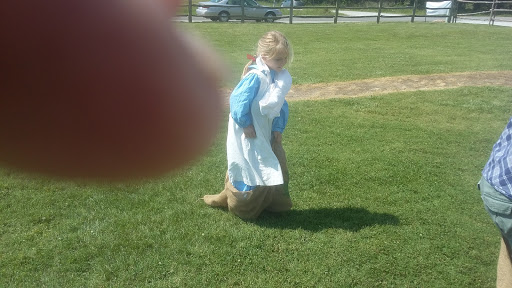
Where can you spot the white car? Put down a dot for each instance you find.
(224, 10)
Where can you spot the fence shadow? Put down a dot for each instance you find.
(346, 218)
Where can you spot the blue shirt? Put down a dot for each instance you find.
(498, 170)
(241, 100)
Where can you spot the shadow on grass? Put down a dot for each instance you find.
(348, 218)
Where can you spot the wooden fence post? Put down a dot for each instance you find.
(380, 11)
(414, 11)
(189, 11)
(450, 12)
(337, 11)
(291, 12)
(491, 17)
(455, 11)
(242, 3)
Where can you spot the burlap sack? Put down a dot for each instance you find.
(250, 204)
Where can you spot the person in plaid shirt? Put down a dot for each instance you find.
(496, 189)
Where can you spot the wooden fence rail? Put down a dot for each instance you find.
(451, 17)
(492, 12)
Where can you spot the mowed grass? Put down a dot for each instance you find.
(343, 52)
(384, 193)
(384, 190)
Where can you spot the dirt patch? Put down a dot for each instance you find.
(396, 84)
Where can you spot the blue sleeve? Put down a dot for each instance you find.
(241, 99)
(280, 122)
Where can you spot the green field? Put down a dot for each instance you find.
(343, 52)
(384, 187)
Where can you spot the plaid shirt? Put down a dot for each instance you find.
(498, 170)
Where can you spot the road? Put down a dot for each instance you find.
(356, 16)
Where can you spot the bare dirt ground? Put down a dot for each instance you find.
(398, 84)
(386, 85)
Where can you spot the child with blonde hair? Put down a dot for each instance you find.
(257, 176)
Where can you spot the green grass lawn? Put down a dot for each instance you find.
(384, 194)
(343, 52)
(384, 188)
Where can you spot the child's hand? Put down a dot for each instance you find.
(278, 137)
(250, 132)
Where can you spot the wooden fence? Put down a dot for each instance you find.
(451, 17)
(492, 12)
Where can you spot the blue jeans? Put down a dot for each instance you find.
(499, 208)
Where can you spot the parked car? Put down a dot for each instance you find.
(296, 3)
(224, 10)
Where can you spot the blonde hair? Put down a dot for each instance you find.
(271, 44)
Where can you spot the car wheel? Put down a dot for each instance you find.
(223, 16)
(269, 17)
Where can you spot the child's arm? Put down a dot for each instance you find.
(279, 123)
(249, 131)
(277, 137)
(240, 103)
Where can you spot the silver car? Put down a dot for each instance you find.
(223, 10)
